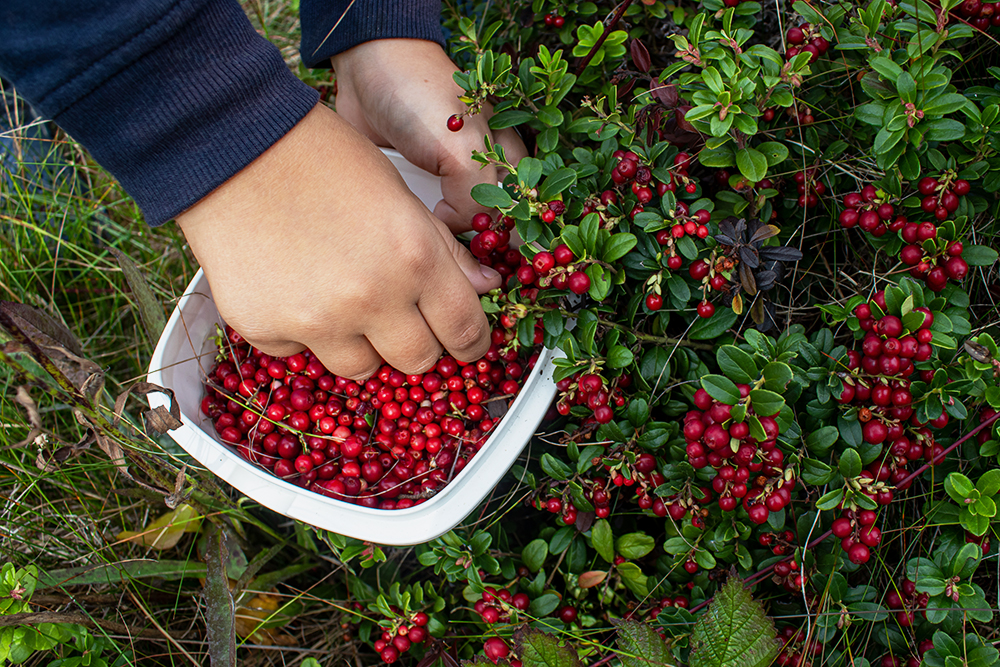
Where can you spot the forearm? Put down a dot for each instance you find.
(173, 97)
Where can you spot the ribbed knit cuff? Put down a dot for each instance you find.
(328, 28)
(182, 119)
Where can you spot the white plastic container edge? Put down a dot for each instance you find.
(185, 353)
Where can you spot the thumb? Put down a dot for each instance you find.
(483, 278)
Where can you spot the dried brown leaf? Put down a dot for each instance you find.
(41, 327)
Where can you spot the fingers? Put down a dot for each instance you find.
(482, 278)
(461, 173)
(408, 343)
(355, 359)
(451, 307)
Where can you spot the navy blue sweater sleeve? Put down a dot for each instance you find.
(173, 97)
(332, 26)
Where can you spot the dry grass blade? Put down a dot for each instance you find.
(150, 310)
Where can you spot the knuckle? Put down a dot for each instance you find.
(420, 363)
(470, 339)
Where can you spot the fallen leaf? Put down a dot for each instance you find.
(166, 531)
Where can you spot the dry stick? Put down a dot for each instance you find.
(759, 575)
(604, 35)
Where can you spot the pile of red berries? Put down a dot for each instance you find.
(806, 38)
(746, 469)
(390, 442)
(400, 637)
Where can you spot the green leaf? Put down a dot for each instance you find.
(633, 577)
(886, 67)
(117, 573)
(907, 87)
(555, 468)
(618, 246)
(529, 171)
(945, 103)
(534, 553)
(544, 604)
(766, 403)
(958, 486)
(634, 545)
(640, 645)
(712, 327)
(492, 196)
(721, 389)
(777, 375)
(752, 164)
(850, 463)
(944, 129)
(620, 356)
(736, 364)
(600, 282)
(550, 115)
(510, 118)
(830, 499)
(989, 483)
(603, 539)
(734, 631)
(773, 151)
(979, 255)
(815, 472)
(819, 442)
(540, 649)
(556, 182)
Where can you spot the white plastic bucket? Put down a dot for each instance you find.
(185, 354)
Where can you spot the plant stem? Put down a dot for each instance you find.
(600, 40)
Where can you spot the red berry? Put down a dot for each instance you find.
(705, 309)
(654, 301)
(455, 123)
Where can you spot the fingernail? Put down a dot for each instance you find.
(488, 272)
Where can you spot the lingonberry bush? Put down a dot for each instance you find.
(763, 240)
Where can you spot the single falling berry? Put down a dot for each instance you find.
(455, 122)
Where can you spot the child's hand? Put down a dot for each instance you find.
(400, 93)
(319, 243)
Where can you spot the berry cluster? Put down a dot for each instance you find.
(858, 533)
(980, 14)
(871, 211)
(940, 196)
(780, 544)
(806, 39)
(809, 189)
(554, 21)
(933, 259)
(796, 651)
(390, 442)
(591, 390)
(401, 636)
(787, 574)
(906, 602)
(495, 605)
(746, 469)
(555, 269)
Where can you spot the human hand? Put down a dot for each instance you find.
(319, 243)
(400, 93)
